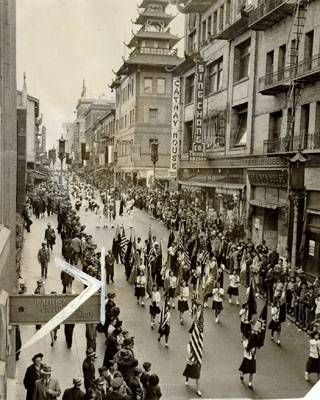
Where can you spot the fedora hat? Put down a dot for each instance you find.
(46, 370)
(90, 352)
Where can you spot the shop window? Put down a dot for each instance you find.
(241, 61)
(189, 91)
(148, 85)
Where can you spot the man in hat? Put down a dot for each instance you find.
(136, 385)
(43, 259)
(96, 390)
(32, 375)
(50, 236)
(116, 393)
(46, 388)
(74, 393)
(88, 369)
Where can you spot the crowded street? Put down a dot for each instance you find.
(222, 343)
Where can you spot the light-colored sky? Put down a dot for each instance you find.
(60, 42)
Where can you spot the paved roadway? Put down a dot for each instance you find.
(279, 370)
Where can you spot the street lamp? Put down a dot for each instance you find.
(154, 144)
(62, 153)
(297, 195)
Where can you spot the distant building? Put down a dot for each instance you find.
(8, 171)
(30, 143)
(44, 139)
(143, 86)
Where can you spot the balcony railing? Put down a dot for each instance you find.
(269, 13)
(289, 144)
(234, 28)
(309, 68)
(276, 82)
(154, 51)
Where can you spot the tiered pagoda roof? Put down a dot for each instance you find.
(153, 44)
(147, 14)
(147, 3)
(165, 36)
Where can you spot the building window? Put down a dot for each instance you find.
(281, 61)
(239, 126)
(221, 18)
(153, 114)
(161, 86)
(192, 43)
(189, 89)
(148, 85)
(269, 67)
(215, 22)
(215, 76)
(305, 116)
(241, 61)
(275, 123)
(204, 30)
(228, 12)
(209, 27)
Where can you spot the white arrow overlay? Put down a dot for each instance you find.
(93, 285)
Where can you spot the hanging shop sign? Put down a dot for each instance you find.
(175, 127)
(31, 309)
(268, 178)
(198, 117)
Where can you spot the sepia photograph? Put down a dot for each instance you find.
(159, 199)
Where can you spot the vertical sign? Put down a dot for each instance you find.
(175, 126)
(198, 117)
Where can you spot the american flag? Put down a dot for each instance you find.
(181, 236)
(123, 247)
(204, 257)
(187, 260)
(165, 315)
(196, 339)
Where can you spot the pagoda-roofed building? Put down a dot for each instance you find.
(143, 87)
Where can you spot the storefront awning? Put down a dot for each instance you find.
(265, 204)
(223, 186)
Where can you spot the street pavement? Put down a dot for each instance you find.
(279, 369)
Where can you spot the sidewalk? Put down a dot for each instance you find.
(66, 363)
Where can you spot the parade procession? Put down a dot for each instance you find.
(159, 199)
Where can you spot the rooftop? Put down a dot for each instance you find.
(173, 39)
(147, 14)
(146, 3)
(149, 60)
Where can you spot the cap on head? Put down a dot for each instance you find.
(77, 381)
(90, 352)
(38, 355)
(116, 383)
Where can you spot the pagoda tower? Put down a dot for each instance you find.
(143, 87)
